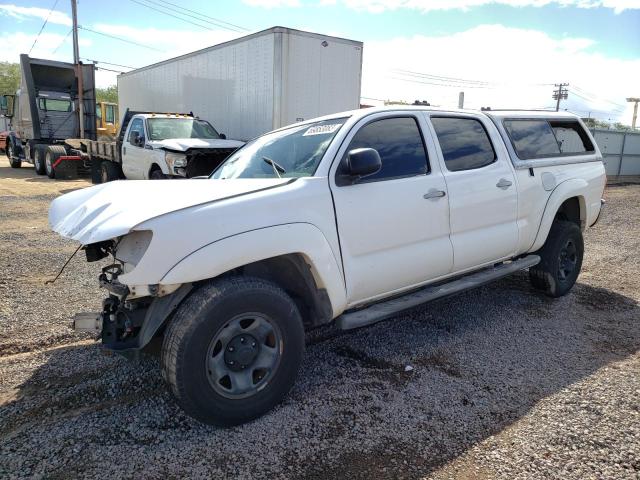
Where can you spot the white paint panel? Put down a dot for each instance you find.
(317, 79)
(230, 86)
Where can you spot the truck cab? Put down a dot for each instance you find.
(157, 146)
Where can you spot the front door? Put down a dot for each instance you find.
(394, 224)
(133, 154)
(482, 189)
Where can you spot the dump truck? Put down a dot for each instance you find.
(148, 145)
(44, 114)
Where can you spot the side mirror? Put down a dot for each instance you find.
(362, 162)
(6, 105)
(222, 136)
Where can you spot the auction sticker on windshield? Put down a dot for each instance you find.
(322, 129)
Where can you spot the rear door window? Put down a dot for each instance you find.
(399, 142)
(464, 143)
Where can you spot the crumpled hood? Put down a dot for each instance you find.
(184, 144)
(107, 211)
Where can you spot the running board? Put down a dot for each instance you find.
(385, 309)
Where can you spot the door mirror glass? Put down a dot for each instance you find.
(6, 105)
(362, 162)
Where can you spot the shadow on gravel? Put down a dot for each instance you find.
(480, 361)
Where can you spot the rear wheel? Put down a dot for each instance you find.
(38, 159)
(109, 171)
(561, 259)
(233, 350)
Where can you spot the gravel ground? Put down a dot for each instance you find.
(505, 383)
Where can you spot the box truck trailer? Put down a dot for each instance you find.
(253, 84)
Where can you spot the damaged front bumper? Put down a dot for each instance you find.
(130, 317)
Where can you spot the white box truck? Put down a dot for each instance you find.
(253, 84)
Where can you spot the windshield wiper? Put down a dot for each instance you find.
(276, 167)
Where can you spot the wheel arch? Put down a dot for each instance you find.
(295, 256)
(566, 202)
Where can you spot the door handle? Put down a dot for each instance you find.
(434, 194)
(503, 184)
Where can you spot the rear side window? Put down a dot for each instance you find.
(544, 138)
(571, 137)
(464, 143)
(400, 145)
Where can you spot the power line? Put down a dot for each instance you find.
(596, 97)
(43, 25)
(617, 110)
(63, 40)
(208, 16)
(439, 77)
(155, 9)
(119, 38)
(438, 84)
(108, 69)
(109, 63)
(205, 18)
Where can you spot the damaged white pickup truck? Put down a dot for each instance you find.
(352, 217)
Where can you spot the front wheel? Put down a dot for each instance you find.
(233, 349)
(561, 259)
(14, 160)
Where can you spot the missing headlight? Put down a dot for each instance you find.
(132, 247)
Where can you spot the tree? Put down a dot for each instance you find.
(9, 77)
(109, 94)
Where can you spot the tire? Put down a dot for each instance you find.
(561, 260)
(156, 174)
(38, 159)
(210, 321)
(14, 160)
(51, 154)
(109, 171)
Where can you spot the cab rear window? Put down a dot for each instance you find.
(541, 138)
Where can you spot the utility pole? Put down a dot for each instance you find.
(635, 100)
(76, 60)
(560, 94)
(461, 100)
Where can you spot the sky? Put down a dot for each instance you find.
(501, 53)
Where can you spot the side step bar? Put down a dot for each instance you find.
(385, 309)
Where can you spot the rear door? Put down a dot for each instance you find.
(393, 225)
(482, 189)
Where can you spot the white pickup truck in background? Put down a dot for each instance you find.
(352, 217)
(160, 145)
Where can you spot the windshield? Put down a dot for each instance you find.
(165, 128)
(291, 153)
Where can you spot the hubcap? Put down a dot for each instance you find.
(568, 260)
(243, 356)
(47, 162)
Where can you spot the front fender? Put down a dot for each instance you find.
(574, 187)
(238, 250)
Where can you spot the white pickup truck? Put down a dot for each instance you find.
(350, 218)
(156, 146)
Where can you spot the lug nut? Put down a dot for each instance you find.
(253, 344)
(231, 349)
(241, 339)
(230, 362)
